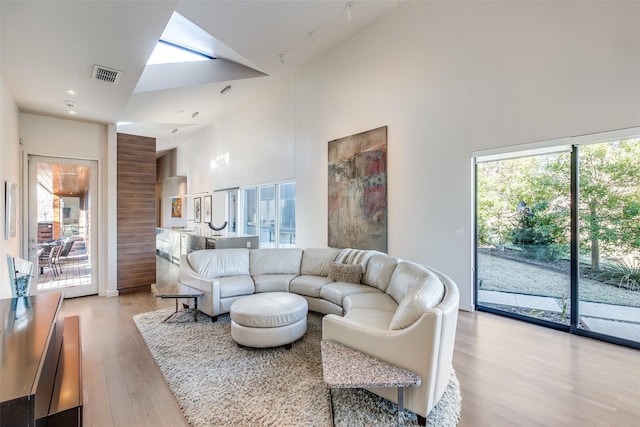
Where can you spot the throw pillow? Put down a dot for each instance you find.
(345, 272)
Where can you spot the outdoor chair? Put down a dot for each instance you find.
(51, 260)
(55, 261)
(67, 245)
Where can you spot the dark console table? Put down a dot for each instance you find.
(40, 363)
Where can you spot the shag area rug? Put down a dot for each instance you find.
(216, 383)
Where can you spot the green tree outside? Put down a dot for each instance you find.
(524, 203)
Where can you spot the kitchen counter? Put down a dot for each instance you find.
(173, 242)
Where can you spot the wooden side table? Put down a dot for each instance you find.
(179, 291)
(344, 367)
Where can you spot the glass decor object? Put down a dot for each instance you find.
(20, 274)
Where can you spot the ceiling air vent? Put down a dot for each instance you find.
(106, 75)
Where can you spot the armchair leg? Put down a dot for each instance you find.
(422, 421)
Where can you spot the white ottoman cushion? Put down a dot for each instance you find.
(268, 319)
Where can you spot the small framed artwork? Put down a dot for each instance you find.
(197, 209)
(207, 209)
(176, 207)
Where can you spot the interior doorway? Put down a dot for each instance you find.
(62, 223)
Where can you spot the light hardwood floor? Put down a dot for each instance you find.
(511, 373)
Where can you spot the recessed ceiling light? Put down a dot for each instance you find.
(72, 112)
(70, 103)
(71, 92)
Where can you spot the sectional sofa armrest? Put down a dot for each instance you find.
(394, 346)
(415, 348)
(209, 303)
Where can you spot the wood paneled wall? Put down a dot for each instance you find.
(136, 212)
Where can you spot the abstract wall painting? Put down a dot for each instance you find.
(358, 191)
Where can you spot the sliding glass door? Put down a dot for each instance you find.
(609, 243)
(558, 238)
(523, 240)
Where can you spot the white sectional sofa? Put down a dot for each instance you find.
(395, 310)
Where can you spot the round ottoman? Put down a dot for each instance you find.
(269, 319)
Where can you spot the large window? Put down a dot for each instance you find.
(558, 237)
(287, 211)
(268, 216)
(269, 212)
(250, 202)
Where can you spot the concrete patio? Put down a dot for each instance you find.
(614, 320)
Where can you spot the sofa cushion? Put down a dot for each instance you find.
(272, 282)
(355, 256)
(420, 298)
(345, 272)
(275, 261)
(308, 285)
(317, 261)
(236, 285)
(405, 276)
(378, 301)
(336, 291)
(371, 317)
(379, 270)
(213, 263)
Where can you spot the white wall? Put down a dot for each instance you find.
(447, 78)
(194, 162)
(47, 136)
(172, 187)
(254, 143)
(9, 171)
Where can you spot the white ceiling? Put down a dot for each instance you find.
(50, 46)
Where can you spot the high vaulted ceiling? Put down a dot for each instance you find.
(48, 47)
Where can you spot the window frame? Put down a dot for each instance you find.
(242, 203)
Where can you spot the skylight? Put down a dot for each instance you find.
(169, 53)
(182, 41)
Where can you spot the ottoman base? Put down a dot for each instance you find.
(268, 337)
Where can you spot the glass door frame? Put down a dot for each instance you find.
(575, 143)
(561, 147)
(30, 219)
